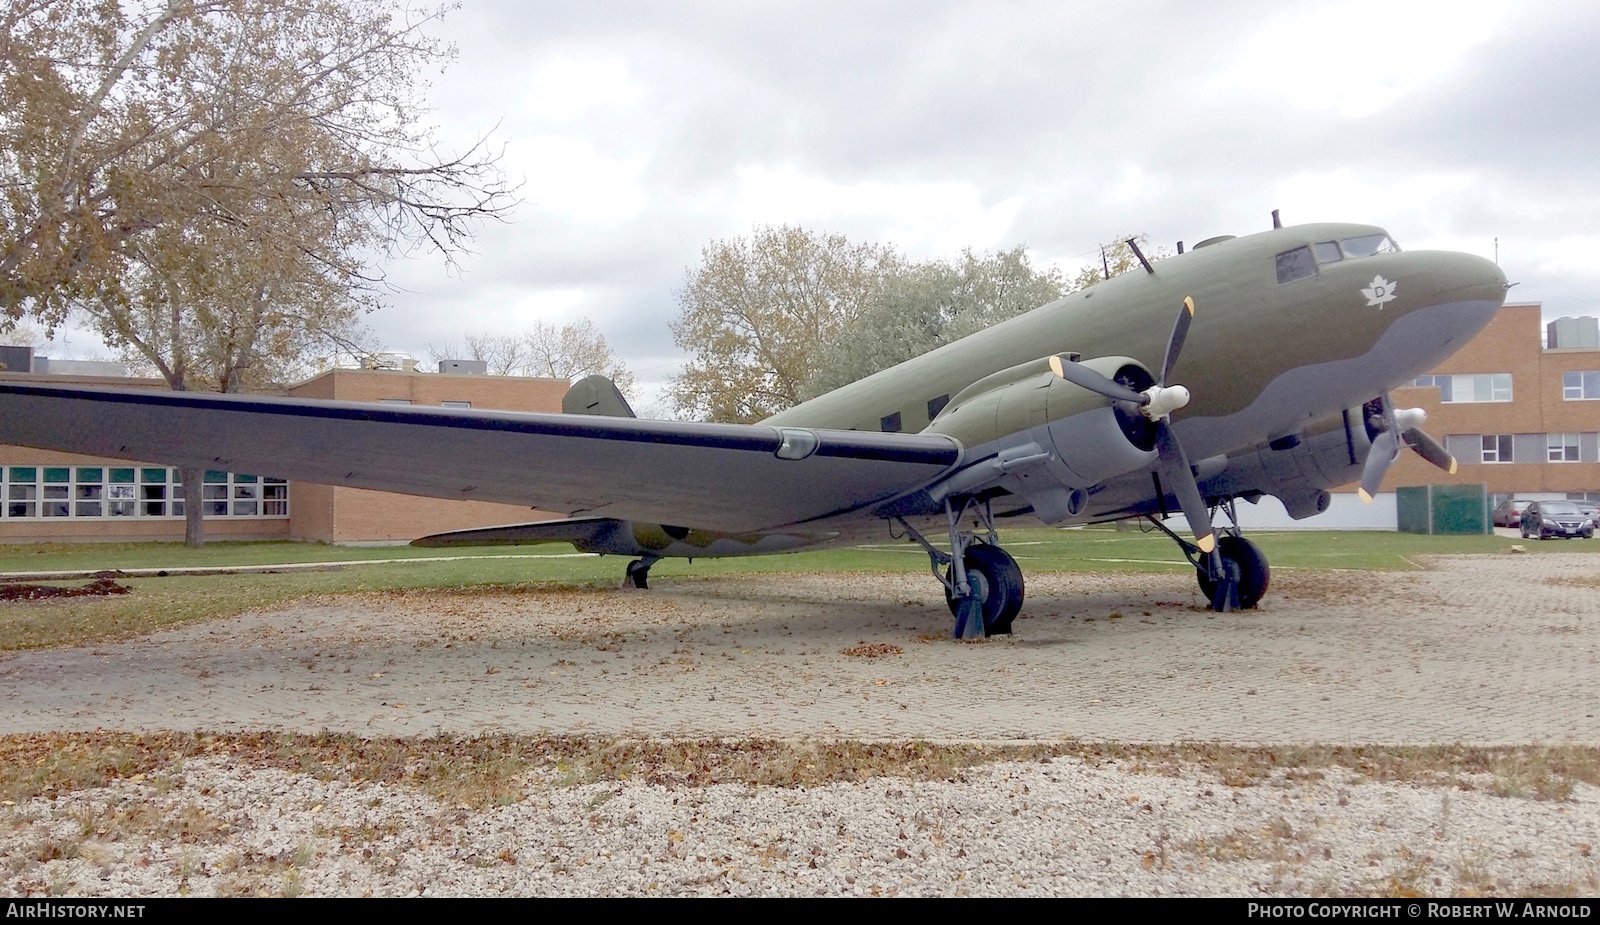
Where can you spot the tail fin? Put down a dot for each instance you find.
(596, 395)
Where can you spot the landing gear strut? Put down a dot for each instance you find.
(982, 583)
(1234, 575)
(638, 574)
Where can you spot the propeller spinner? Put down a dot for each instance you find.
(1157, 403)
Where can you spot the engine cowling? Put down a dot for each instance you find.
(1051, 440)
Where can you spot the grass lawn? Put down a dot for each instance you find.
(155, 603)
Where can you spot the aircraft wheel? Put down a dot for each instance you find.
(1254, 575)
(996, 578)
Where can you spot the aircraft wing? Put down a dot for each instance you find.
(732, 477)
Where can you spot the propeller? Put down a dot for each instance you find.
(1397, 430)
(1157, 403)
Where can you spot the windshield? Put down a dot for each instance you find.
(1369, 244)
(1558, 507)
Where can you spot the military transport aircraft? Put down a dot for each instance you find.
(1246, 366)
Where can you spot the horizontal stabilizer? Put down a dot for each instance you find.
(575, 530)
(596, 395)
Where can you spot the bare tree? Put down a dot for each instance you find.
(573, 351)
(568, 352)
(501, 354)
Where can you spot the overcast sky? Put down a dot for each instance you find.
(643, 131)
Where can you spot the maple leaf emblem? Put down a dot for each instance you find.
(1380, 291)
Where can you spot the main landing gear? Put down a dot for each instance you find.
(982, 583)
(638, 574)
(1234, 575)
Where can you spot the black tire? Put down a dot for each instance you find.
(999, 581)
(1254, 574)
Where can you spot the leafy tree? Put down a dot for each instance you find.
(935, 303)
(210, 181)
(757, 310)
(1119, 258)
(932, 304)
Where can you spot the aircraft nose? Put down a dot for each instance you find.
(1467, 276)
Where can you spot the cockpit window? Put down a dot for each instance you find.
(1296, 264)
(1369, 244)
(1327, 252)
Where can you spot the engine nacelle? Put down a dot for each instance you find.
(1053, 439)
(1299, 469)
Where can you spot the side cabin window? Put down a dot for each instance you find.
(891, 423)
(936, 405)
(1296, 264)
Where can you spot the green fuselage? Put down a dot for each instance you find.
(1248, 331)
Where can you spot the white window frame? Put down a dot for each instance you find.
(1563, 448)
(1491, 455)
(1583, 375)
(127, 500)
(1464, 388)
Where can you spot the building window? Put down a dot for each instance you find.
(891, 423)
(1497, 448)
(394, 401)
(455, 404)
(95, 492)
(1470, 388)
(1562, 447)
(1580, 385)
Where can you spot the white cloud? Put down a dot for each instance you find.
(566, 175)
(924, 219)
(566, 88)
(1356, 58)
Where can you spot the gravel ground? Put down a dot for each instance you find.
(1061, 828)
(1444, 656)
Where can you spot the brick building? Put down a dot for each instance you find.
(1520, 417)
(49, 496)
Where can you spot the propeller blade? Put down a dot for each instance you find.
(1080, 375)
(1180, 331)
(1429, 449)
(1177, 476)
(1385, 447)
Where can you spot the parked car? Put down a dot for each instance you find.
(1545, 519)
(1508, 513)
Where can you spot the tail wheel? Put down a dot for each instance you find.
(994, 576)
(1254, 574)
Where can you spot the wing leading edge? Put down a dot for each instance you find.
(733, 477)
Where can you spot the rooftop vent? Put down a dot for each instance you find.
(1573, 332)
